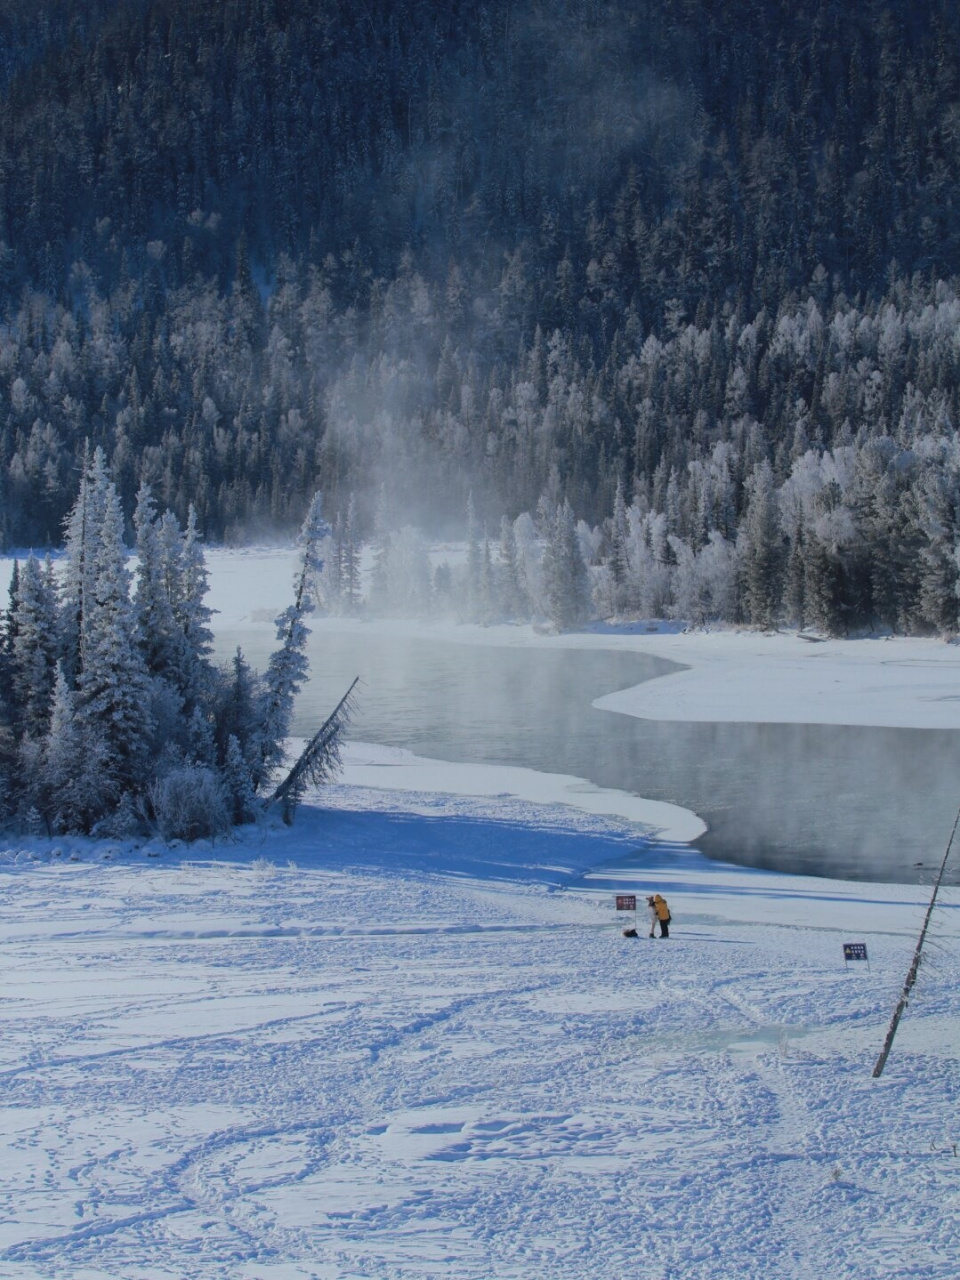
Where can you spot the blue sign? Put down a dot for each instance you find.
(855, 951)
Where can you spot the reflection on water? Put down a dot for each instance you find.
(849, 802)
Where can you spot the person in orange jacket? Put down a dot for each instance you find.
(659, 912)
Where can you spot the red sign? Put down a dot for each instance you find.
(626, 902)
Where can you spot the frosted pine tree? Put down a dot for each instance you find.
(486, 610)
(193, 616)
(33, 651)
(350, 562)
(237, 711)
(82, 534)
(760, 549)
(238, 784)
(288, 665)
(7, 741)
(510, 592)
(74, 782)
(938, 503)
(380, 575)
(332, 592)
(172, 618)
(9, 627)
(619, 556)
(474, 564)
(157, 627)
(565, 578)
(114, 688)
(822, 587)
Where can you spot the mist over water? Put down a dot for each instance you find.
(858, 803)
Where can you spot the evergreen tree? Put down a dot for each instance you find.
(8, 634)
(938, 504)
(193, 616)
(566, 584)
(823, 588)
(288, 664)
(33, 651)
(619, 538)
(83, 530)
(7, 740)
(759, 548)
(474, 564)
(350, 561)
(157, 627)
(510, 592)
(794, 601)
(380, 573)
(239, 785)
(486, 610)
(76, 782)
(114, 693)
(237, 713)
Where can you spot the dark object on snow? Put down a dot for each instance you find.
(319, 759)
(630, 933)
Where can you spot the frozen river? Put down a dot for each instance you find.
(862, 803)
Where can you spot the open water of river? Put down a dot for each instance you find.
(858, 803)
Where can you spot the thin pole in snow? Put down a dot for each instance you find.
(915, 966)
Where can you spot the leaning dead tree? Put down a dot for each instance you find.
(915, 965)
(319, 760)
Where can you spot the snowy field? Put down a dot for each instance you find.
(406, 1038)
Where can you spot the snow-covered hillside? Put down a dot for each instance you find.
(407, 1039)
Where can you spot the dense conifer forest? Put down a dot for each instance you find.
(684, 272)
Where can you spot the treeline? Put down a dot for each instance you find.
(864, 536)
(524, 251)
(113, 719)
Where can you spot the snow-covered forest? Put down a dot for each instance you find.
(865, 535)
(701, 257)
(113, 718)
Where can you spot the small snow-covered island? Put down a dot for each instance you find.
(479, 640)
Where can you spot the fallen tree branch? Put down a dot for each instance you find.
(319, 760)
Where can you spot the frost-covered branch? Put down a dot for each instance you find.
(320, 758)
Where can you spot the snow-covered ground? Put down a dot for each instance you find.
(406, 1037)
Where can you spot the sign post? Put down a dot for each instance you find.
(627, 902)
(855, 951)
